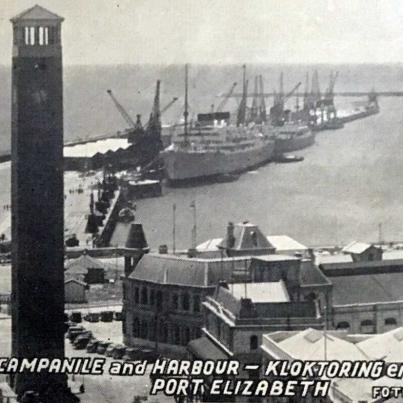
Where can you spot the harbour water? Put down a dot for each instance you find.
(349, 182)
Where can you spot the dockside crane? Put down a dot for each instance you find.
(127, 118)
(224, 101)
(277, 110)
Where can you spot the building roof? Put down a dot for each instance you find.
(389, 344)
(286, 243)
(356, 247)
(247, 236)
(88, 150)
(310, 345)
(211, 245)
(276, 258)
(311, 275)
(73, 280)
(367, 288)
(181, 270)
(81, 264)
(36, 13)
(261, 292)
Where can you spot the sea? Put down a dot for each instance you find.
(349, 186)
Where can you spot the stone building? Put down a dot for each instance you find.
(162, 298)
(366, 295)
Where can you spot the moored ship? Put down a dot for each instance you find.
(213, 146)
(293, 136)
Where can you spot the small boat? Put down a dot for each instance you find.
(288, 158)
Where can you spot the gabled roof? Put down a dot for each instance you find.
(286, 243)
(73, 280)
(389, 344)
(81, 264)
(356, 247)
(247, 236)
(309, 345)
(36, 13)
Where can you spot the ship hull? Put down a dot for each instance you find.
(183, 167)
(294, 143)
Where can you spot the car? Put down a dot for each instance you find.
(92, 317)
(118, 315)
(76, 317)
(107, 316)
(109, 350)
(74, 331)
(74, 334)
(148, 354)
(119, 351)
(92, 346)
(131, 354)
(82, 340)
(102, 346)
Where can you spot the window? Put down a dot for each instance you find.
(159, 299)
(343, 326)
(186, 335)
(162, 332)
(136, 295)
(175, 301)
(144, 296)
(390, 322)
(176, 334)
(152, 297)
(135, 327)
(144, 329)
(196, 303)
(367, 326)
(185, 301)
(254, 342)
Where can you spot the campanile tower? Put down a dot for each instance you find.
(37, 196)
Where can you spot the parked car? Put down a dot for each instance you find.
(148, 354)
(107, 316)
(109, 350)
(92, 346)
(131, 354)
(102, 346)
(119, 351)
(118, 315)
(82, 340)
(74, 331)
(92, 317)
(76, 317)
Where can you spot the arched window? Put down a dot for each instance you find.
(135, 327)
(175, 301)
(343, 326)
(144, 296)
(159, 299)
(186, 335)
(253, 342)
(196, 303)
(176, 334)
(390, 322)
(144, 329)
(367, 326)
(185, 301)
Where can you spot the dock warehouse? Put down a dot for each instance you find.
(96, 154)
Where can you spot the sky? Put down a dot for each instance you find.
(221, 31)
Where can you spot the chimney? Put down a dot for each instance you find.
(163, 249)
(230, 235)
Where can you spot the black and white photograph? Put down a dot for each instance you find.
(201, 201)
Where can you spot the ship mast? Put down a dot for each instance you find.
(186, 112)
(242, 106)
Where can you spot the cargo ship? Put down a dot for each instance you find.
(293, 136)
(213, 146)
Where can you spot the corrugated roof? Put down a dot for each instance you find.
(367, 288)
(356, 247)
(88, 150)
(310, 345)
(261, 292)
(389, 344)
(36, 13)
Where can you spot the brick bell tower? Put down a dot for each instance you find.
(37, 200)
